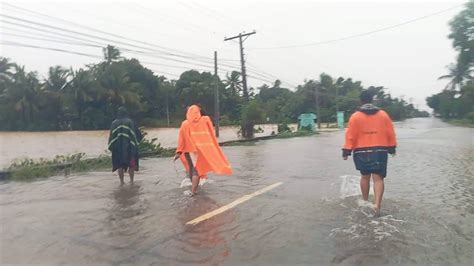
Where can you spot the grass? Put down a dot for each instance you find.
(29, 169)
(302, 133)
(461, 122)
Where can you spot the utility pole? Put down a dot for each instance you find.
(167, 109)
(216, 96)
(242, 60)
(318, 113)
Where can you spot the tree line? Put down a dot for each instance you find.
(456, 101)
(88, 98)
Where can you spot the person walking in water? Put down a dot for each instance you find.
(371, 137)
(198, 148)
(124, 138)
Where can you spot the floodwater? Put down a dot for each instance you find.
(36, 145)
(315, 218)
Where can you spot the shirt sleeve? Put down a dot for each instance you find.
(350, 137)
(391, 137)
(181, 140)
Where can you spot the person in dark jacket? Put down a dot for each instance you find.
(124, 138)
(371, 137)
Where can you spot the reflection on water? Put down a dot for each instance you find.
(205, 243)
(315, 218)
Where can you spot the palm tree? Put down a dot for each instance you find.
(57, 79)
(22, 93)
(233, 83)
(83, 88)
(120, 90)
(111, 54)
(457, 74)
(5, 67)
(5, 73)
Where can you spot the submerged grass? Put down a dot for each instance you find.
(301, 133)
(29, 169)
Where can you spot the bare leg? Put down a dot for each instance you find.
(195, 182)
(378, 191)
(120, 173)
(131, 173)
(365, 186)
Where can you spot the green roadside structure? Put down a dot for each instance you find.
(307, 121)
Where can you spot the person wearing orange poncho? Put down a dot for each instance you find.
(197, 143)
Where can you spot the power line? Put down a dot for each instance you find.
(255, 74)
(98, 45)
(153, 13)
(216, 15)
(95, 37)
(359, 34)
(197, 58)
(113, 21)
(100, 31)
(143, 53)
(9, 43)
(189, 55)
(90, 43)
(17, 44)
(51, 40)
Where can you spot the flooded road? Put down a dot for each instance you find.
(314, 218)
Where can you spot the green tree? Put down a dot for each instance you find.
(252, 113)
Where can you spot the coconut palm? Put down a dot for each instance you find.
(119, 89)
(22, 93)
(57, 79)
(111, 54)
(84, 89)
(457, 74)
(233, 83)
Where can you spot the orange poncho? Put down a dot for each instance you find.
(196, 136)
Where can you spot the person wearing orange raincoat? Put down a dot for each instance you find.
(198, 148)
(371, 137)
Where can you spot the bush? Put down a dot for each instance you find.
(283, 128)
(148, 146)
(252, 114)
(307, 128)
(470, 117)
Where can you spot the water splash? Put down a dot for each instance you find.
(349, 186)
(187, 182)
(363, 224)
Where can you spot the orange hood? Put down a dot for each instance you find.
(193, 114)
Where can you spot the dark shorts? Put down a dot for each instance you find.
(193, 171)
(132, 165)
(371, 162)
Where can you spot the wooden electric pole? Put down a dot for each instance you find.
(318, 111)
(242, 60)
(216, 96)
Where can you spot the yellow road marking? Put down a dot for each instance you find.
(232, 204)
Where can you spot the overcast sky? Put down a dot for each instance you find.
(184, 35)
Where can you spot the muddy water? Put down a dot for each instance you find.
(315, 218)
(36, 145)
